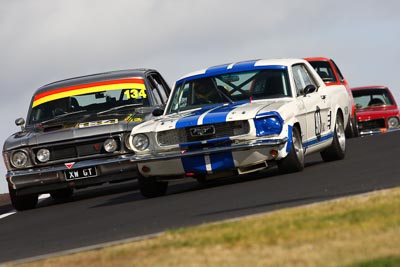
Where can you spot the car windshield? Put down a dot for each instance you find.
(372, 97)
(53, 105)
(226, 88)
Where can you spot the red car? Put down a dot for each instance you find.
(376, 109)
(331, 75)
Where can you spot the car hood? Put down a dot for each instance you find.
(377, 112)
(80, 127)
(211, 115)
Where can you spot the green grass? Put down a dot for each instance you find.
(355, 232)
(380, 262)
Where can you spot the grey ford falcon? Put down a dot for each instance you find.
(76, 134)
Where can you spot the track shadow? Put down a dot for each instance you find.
(189, 185)
(92, 192)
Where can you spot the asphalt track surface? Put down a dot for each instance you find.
(115, 212)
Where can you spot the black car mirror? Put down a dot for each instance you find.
(310, 89)
(158, 112)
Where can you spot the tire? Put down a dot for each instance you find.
(149, 187)
(294, 161)
(62, 194)
(355, 126)
(337, 149)
(25, 202)
(351, 130)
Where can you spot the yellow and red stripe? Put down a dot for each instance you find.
(137, 83)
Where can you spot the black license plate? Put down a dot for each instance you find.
(80, 173)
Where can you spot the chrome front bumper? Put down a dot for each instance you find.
(156, 156)
(377, 131)
(43, 180)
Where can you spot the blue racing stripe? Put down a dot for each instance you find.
(217, 69)
(222, 161)
(290, 139)
(192, 118)
(219, 115)
(187, 121)
(244, 65)
(237, 67)
(316, 140)
(195, 164)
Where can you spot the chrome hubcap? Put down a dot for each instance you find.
(340, 135)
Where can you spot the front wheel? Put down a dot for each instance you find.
(294, 161)
(337, 149)
(149, 187)
(24, 202)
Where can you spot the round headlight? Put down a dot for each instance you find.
(140, 142)
(19, 159)
(43, 155)
(393, 122)
(110, 145)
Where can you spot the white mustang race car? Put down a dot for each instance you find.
(240, 118)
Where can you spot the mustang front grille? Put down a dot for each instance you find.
(202, 132)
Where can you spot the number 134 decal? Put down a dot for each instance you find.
(135, 93)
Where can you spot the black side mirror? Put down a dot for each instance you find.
(309, 89)
(158, 112)
(20, 122)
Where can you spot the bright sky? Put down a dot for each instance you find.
(43, 41)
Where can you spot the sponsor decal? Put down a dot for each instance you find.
(131, 118)
(97, 123)
(95, 87)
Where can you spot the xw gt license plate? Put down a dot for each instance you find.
(80, 173)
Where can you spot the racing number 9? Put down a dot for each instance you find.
(135, 93)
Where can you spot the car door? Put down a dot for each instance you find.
(314, 111)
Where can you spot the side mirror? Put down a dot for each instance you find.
(310, 89)
(20, 122)
(158, 112)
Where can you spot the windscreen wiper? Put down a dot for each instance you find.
(63, 116)
(119, 107)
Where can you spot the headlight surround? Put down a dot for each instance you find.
(393, 122)
(110, 145)
(19, 159)
(140, 142)
(127, 143)
(43, 155)
(268, 125)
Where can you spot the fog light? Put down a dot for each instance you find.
(110, 145)
(43, 155)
